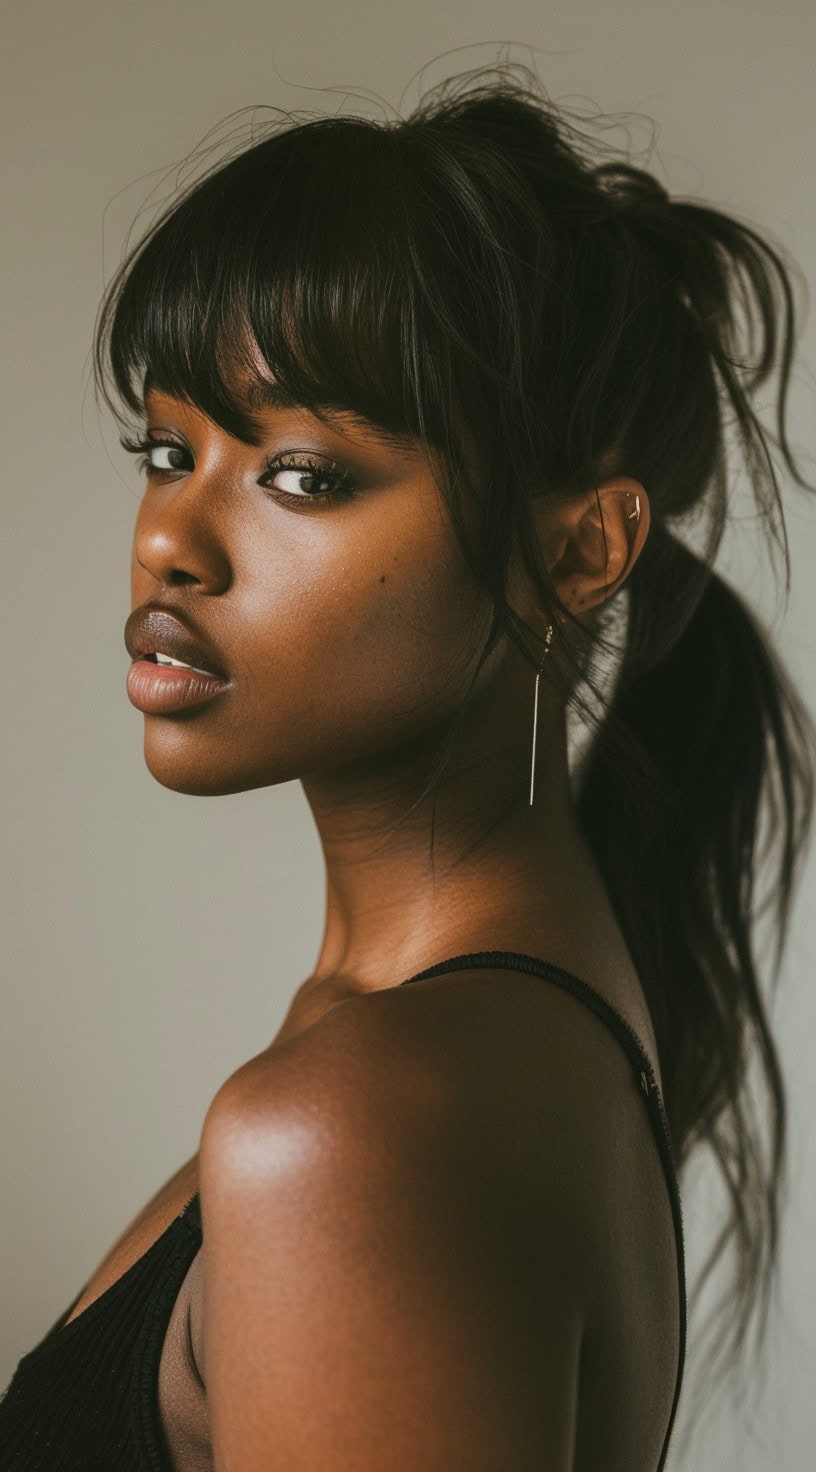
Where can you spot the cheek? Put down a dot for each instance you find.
(374, 632)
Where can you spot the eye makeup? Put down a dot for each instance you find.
(338, 482)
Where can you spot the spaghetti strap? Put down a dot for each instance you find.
(645, 1081)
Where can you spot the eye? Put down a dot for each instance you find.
(158, 457)
(300, 482)
(165, 457)
(292, 481)
(306, 479)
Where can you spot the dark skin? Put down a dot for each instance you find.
(349, 631)
(366, 610)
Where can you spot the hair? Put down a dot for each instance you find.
(477, 275)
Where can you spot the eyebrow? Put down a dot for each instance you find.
(258, 395)
(270, 396)
(262, 394)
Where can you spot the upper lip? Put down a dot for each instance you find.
(158, 630)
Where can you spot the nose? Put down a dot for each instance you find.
(176, 540)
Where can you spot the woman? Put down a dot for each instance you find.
(423, 408)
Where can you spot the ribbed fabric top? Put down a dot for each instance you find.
(85, 1399)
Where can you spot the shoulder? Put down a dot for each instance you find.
(460, 1097)
(402, 1234)
(489, 1064)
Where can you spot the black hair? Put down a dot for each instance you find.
(478, 276)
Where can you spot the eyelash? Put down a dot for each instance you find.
(342, 488)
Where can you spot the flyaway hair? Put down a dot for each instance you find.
(479, 276)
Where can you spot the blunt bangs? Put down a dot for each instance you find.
(288, 276)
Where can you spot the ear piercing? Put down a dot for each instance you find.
(633, 516)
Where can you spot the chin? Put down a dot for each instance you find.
(182, 765)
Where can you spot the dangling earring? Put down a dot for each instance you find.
(547, 642)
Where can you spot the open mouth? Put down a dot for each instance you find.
(178, 664)
(157, 684)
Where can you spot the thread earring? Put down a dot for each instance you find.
(547, 642)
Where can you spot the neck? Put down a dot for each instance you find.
(411, 879)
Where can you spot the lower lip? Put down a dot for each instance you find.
(162, 689)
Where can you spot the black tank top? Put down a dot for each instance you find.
(85, 1399)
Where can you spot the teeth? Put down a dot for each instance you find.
(178, 663)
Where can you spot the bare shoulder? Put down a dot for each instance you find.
(400, 1211)
(502, 1066)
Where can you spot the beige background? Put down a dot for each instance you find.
(150, 940)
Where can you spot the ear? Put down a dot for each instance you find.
(591, 543)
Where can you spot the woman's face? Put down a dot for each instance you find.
(346, 626)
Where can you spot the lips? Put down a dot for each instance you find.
(157, 631)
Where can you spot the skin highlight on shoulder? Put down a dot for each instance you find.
(352, 1191)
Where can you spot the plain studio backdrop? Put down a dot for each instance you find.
(151, 941)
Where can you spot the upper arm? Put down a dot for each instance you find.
(379, 1288)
